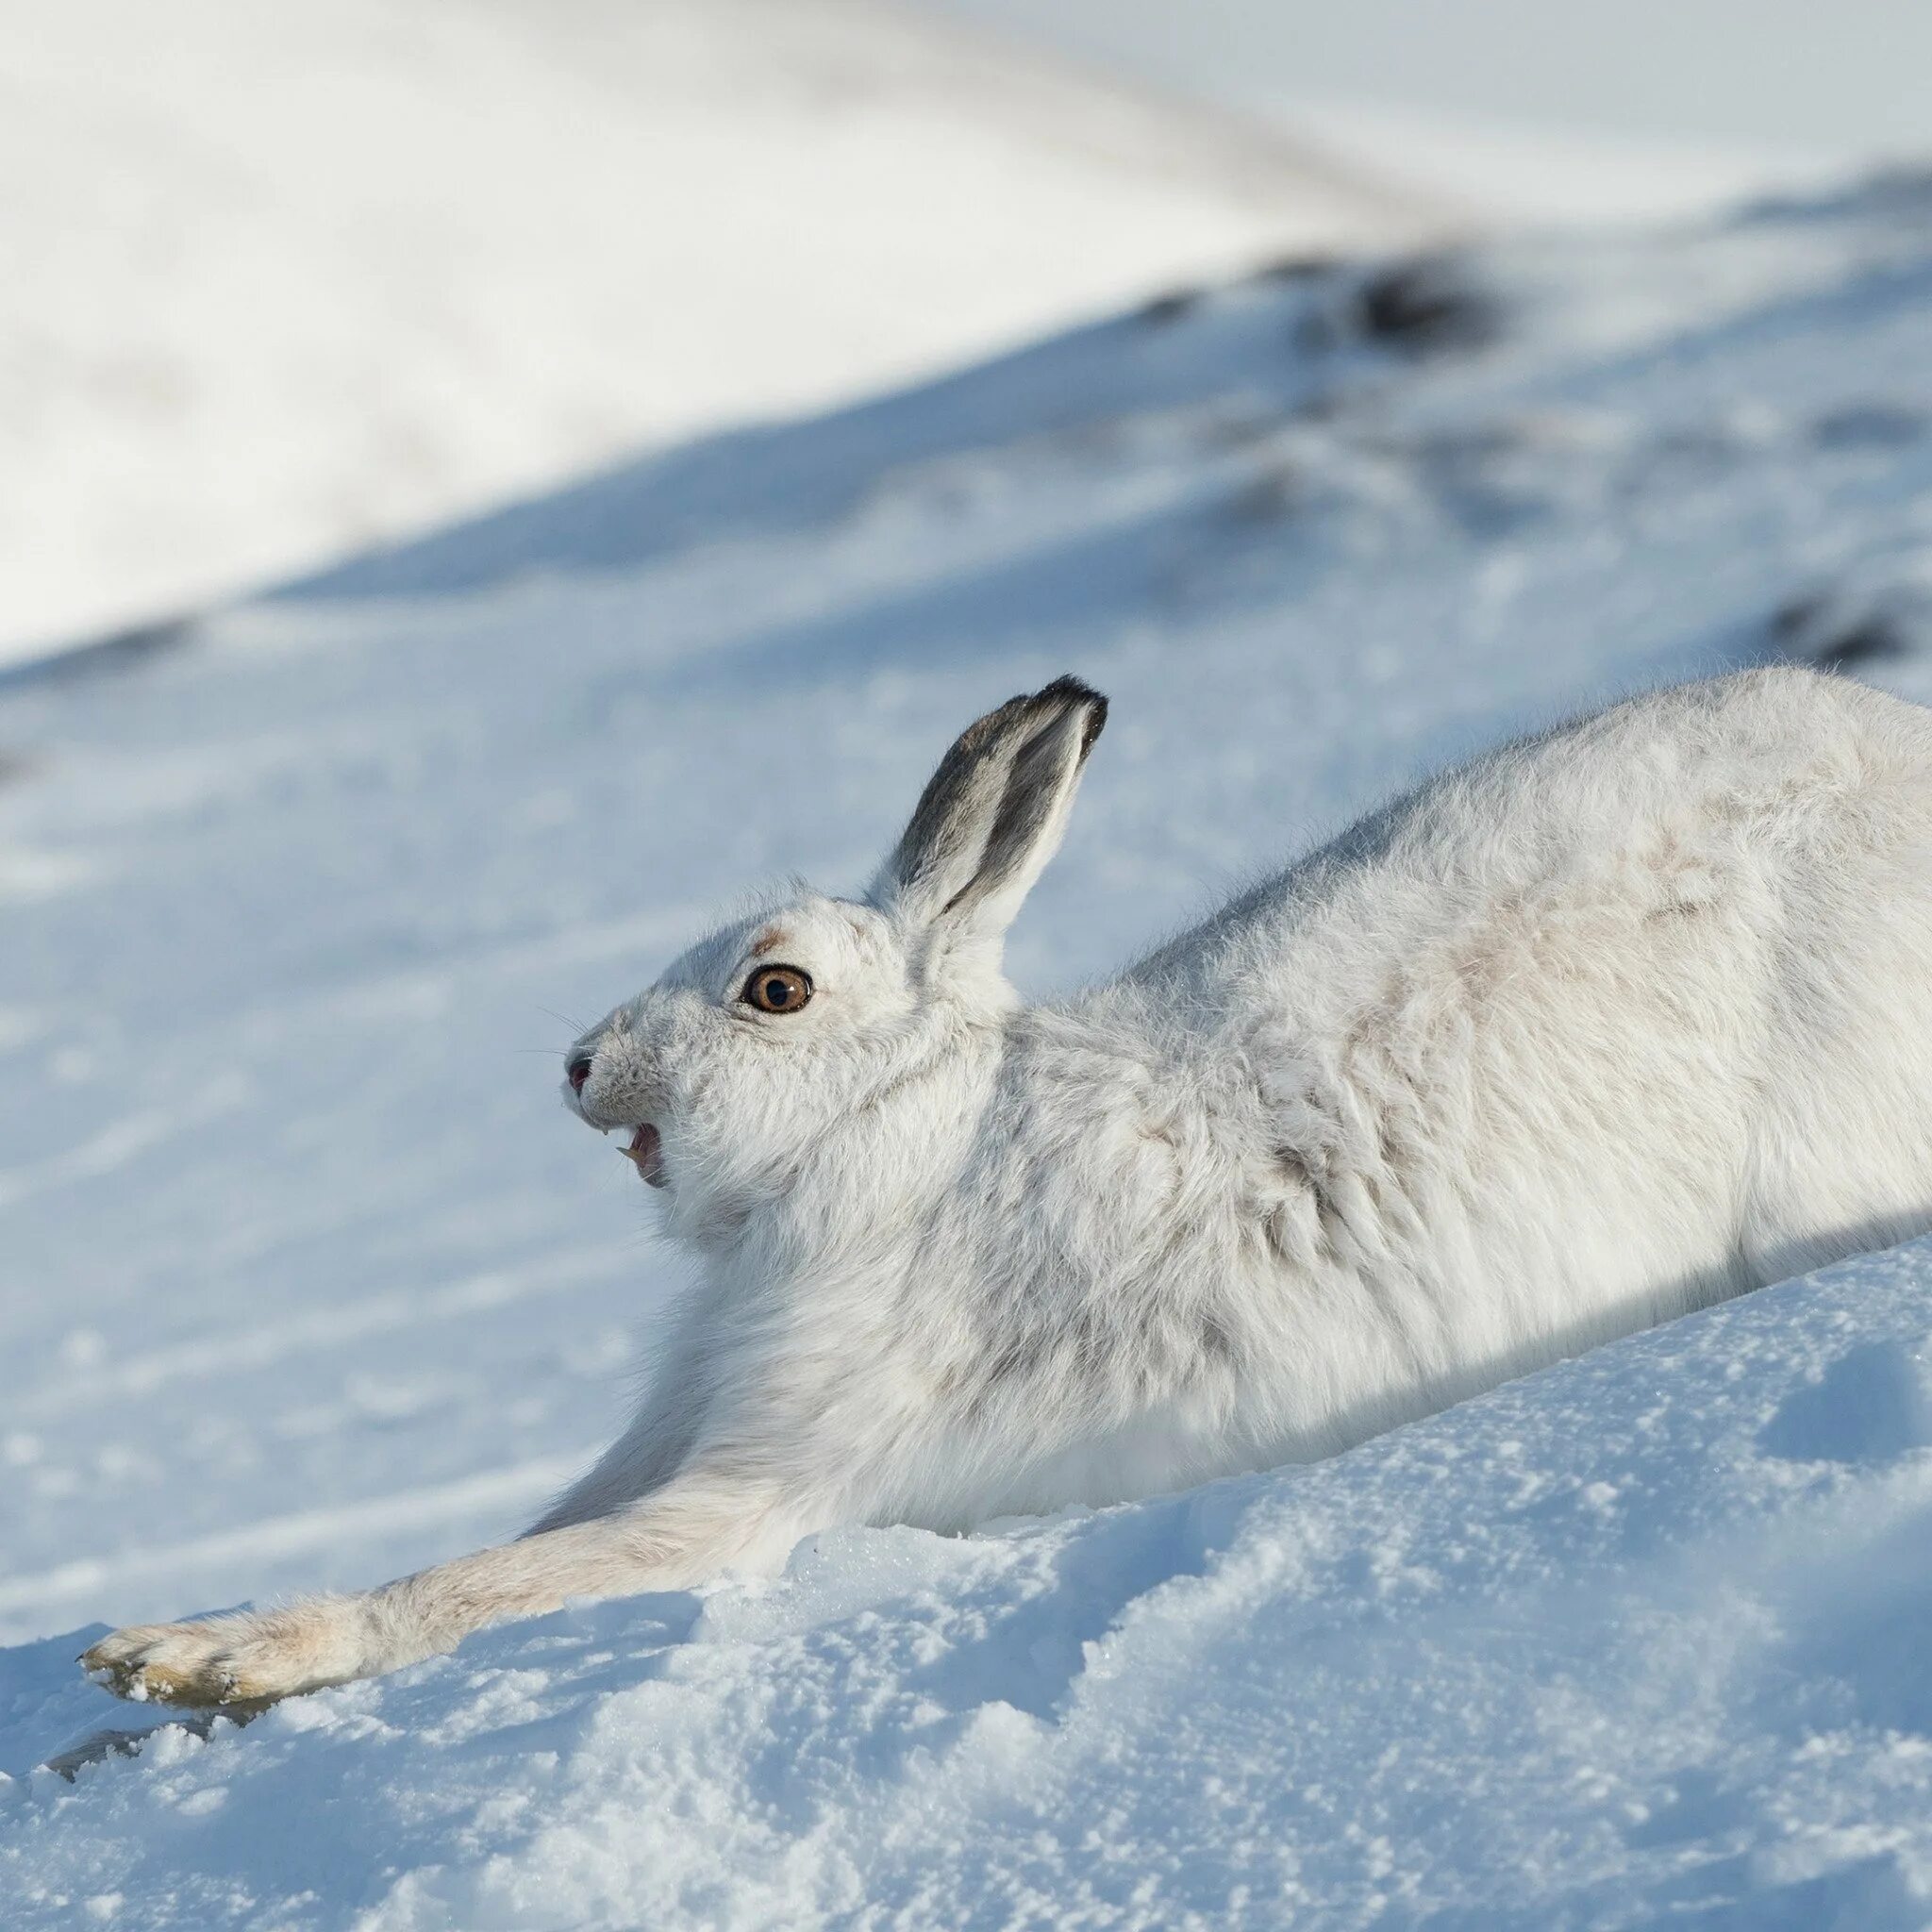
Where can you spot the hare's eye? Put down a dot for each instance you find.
(777, 989)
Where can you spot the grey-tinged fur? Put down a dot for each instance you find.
(985, 811)
(1603, 1025)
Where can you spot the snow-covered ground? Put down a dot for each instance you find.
(281, 281)
(304, 1277)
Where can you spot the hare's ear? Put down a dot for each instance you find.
(993, 813)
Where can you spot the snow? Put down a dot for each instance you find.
(1641, 1637)
(307, 1279)
(1537, 170)
(281, 281)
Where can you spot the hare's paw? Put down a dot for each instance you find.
(249, 1660)
(172, 1663)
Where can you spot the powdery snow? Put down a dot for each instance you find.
(1638, 1638)
(307, 1279)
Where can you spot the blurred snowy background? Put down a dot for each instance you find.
(641, 414)
(279, 281)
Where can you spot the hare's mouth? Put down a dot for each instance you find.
(646, 1150)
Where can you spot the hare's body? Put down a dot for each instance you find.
(1602, 1027)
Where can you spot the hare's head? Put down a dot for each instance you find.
(750, 1051)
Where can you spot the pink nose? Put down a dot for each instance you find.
(578, 1071)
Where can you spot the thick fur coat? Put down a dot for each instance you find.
(1605, 1025)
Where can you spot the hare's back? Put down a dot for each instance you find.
(1664, 972)
(1765, 799)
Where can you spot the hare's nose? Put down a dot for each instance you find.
(578, 1071)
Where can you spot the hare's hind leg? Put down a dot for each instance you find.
(689, 1530)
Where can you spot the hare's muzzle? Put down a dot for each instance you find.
(646, 1150)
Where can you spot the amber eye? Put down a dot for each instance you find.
(777, 989)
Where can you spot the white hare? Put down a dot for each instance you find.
(1607, 1024)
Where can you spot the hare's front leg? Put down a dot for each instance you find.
(682, 1534)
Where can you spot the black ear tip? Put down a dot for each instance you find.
(1068, 690)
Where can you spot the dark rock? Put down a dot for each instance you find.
(1424, 305)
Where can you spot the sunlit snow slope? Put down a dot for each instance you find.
(306, 1279)
(284, 280)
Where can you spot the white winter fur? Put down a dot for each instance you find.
(1605, 1025)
